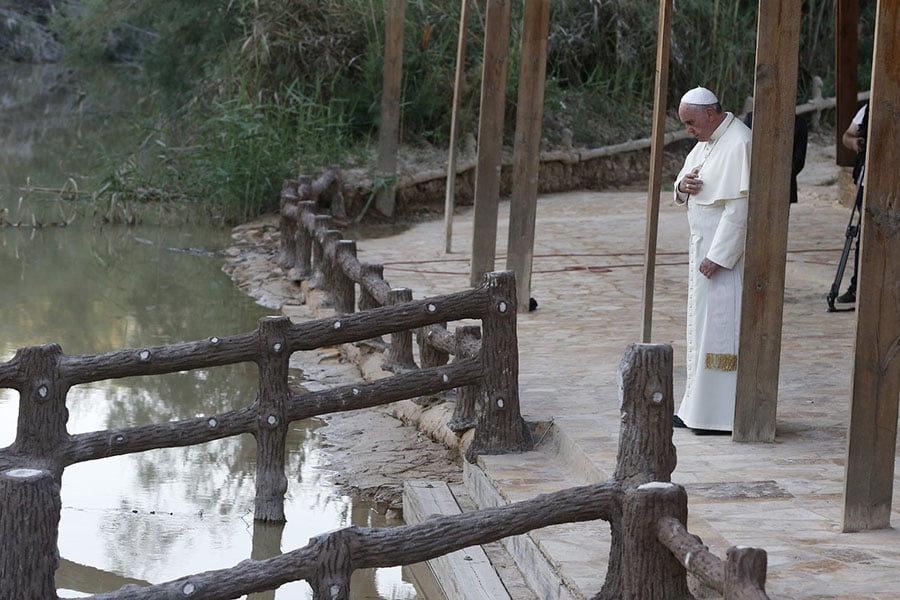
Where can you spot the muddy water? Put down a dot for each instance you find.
(155, 516)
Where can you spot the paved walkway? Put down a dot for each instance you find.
(784, 497)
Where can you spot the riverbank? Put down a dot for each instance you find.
(368, 452)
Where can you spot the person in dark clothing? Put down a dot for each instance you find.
(798, 154)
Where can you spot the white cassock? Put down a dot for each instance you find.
(718, 220)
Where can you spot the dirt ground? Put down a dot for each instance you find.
(370, 452)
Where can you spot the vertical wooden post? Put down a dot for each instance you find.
(465, 413)
(42, 406)
(657, 145)
(646, 452)
(289, 226)
(429, 356)
(775, 93)
(846, 74)
(649, 570)
(328, 240)
(500, 427)
(527, 151)
(389, 130)
(872, 435)
(450, 196)
(271, 420)
(490, 138)
(303, 244)
(29, 528)
(322, 223)
(745, 573)
(344, 287)
(400, 355)
(367, 271)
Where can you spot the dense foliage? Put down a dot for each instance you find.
(255, 89)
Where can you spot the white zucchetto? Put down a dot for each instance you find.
(699, 95)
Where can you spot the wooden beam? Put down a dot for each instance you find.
(490, 138)
(872, 435)
(527, 151)
(657, 144)
(450, 195)
(846, 60)
(775, 92)
(389, 130)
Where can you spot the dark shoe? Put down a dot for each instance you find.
(710, 432)
(848, 297)
(677, 422)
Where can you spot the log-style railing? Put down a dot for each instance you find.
(651, 551)
(316, 252)
(31, 468)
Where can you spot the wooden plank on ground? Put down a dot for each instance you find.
(775, 92)
(527, 151)
(466, 574)
(657, 145)
(872, 435)
(490, 138)
(450, 190)
(389, 130)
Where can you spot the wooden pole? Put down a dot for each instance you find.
(657, 145)
(775, 92)
(527, 151)
(450, 198)
(272, 422)
(872, 435)
(389, 132)
(490, 138)
(846, 58)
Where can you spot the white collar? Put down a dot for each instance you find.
(722, 128)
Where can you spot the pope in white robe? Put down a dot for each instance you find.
(714, 183)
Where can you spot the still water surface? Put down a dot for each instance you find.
(159, 515)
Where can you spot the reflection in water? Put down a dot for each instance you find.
(158, 515)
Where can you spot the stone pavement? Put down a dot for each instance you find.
(784, 497)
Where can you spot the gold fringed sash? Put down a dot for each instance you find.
(721, 362)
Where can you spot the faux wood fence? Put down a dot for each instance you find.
(650, 554)
(316, 252)
(31, 468)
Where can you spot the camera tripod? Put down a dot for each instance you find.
(852, 233)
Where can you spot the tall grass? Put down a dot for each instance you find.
(253, 91)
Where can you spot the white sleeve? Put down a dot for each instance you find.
(728, 243)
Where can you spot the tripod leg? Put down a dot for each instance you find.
(851, 233)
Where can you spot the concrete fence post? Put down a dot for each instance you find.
(648, 570)
(500, 428)
(465, 413)
(400, 354)
(272, 422)
(344, 290)
(321, 223)
(29, 528)
(303, 243)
